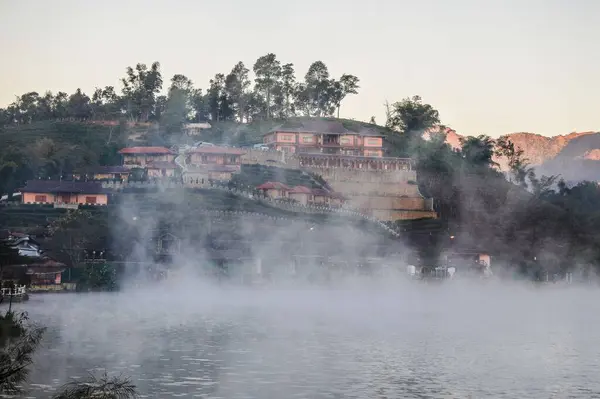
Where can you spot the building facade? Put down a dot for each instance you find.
(348, 143)
(142, 157)
(63, 193)
(212, 163)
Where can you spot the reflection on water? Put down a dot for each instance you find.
(410, 342)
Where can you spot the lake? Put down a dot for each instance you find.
(391, 339)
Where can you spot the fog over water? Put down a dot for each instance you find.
(387, 338)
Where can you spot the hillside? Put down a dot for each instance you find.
(578, 160)
(540, 149)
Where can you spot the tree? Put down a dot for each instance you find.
(199, 106)
(104, 387)
(18, 341)
(319, 89)
(478, 150)
(140, 88)
(78, 230)
(213, 96)
(287, 89)
(79, 105)
(348, 84)
(411, 117)
(178, 107)
(518, 165)
(236, 88)
(268, 71)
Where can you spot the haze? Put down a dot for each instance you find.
(489, 67)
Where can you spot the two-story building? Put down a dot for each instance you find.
(212, 163)
(159, 161)
(324, 137)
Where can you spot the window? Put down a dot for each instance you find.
(345, 141)
(307, 139)
(90, 200)
(372, 153)
(373, 142)
(287, 137)
(40, 198)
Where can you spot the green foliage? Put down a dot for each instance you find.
(98, 277)
(412, 117)
(75, 231)
(103, 387)
(255, 175)
(18, 341)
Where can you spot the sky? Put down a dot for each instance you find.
(490, 67)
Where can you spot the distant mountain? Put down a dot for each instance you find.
(578, 160)
(575, 156)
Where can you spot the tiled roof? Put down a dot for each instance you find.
(55, 186)
(270, 185)
(218, 150)
(146, 150)
(323, 127)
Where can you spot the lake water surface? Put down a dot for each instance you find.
(363, 341)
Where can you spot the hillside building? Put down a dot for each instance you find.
(324, 137)
(212, 163)
(64, 193)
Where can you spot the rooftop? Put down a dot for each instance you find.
(55, 186)
(146, 150)
(320, 126)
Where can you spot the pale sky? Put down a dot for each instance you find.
(490, 67)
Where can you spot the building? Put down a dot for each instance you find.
(158, 169)
(23, 243)
(141, 157)
(212, 163)
(302, 194)
(195, 128)
(103, 173)
(325, 137)
(275, 190)
(67, 193)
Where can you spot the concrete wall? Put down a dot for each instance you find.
(270, 158)
(371, 176)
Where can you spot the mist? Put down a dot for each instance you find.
(275, 325)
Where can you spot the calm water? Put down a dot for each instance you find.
(404, 341)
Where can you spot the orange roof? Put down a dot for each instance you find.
(146, 150)
(218, 150)
(273, 186)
